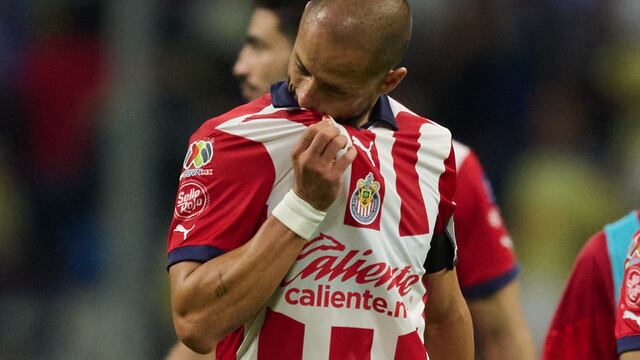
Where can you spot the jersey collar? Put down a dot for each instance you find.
(282, 98)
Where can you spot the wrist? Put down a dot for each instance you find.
(299, 216)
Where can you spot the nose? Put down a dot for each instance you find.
(307, 95)
(241, 67)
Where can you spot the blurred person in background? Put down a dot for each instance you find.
(487, 268)
(53, 66)
(627, 328)
(559, 189)
(447, 333)
(598, 316)
(585, 324)
(62, 84)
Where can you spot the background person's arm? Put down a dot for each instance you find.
(500, 327)
(487, 268)
(448, 329)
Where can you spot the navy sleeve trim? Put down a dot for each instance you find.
(628, 343)
(490, 287)
(199, 253)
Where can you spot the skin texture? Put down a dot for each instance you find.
(500, 327)
(447, 334)
(632, 355)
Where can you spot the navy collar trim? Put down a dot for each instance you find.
(382, 112)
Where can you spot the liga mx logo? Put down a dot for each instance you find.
(199, 154)
(365, 201)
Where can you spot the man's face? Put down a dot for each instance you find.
(330, 77)
(264, 57)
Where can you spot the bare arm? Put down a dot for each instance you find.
(500, 327)
(179, 351)
(210, 300)
(448, 330)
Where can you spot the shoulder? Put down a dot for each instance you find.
(594, 250)
(433, 139)
(258, 106)
(407, 120)
(258, 121)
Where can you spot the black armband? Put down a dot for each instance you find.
(443, 253)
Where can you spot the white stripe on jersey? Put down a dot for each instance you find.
(391, 205)
(462, 151)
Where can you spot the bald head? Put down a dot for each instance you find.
(381, 28)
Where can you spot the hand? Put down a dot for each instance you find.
(318, 174)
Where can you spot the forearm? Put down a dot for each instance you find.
(500, 327)
(217, 297)
(451, 339)
(631, 355)
(448, 328)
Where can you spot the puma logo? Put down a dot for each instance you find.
(183, 230)
(367, 151)
(629, 315)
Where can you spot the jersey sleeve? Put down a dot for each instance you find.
(628, 311)
(222, 195)
(486, 258)
(443, 251)
(583, 324)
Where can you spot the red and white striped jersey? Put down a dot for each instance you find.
(486, 260)
(355, 291)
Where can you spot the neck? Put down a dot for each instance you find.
(362, 118)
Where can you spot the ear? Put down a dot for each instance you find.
(392, 79)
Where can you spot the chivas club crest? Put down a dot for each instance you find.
(365, 201)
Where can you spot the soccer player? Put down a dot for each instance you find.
(486, 268)
(584, 325)
(628, 314)
(311, 222)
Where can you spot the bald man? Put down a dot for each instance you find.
(487, 268)
(343, 215)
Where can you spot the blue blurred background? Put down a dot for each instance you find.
(98, 99)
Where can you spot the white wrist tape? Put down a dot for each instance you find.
(296, 214)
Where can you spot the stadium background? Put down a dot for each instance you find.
(98, 98)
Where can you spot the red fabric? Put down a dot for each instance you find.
(277, 330)
(236, 202)
(61, 83)
(228, 347)
(583, 325)
(360, 168)
(484, 251)
(413, 214)
(410, 347)
(447, 185)
(349, 343)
